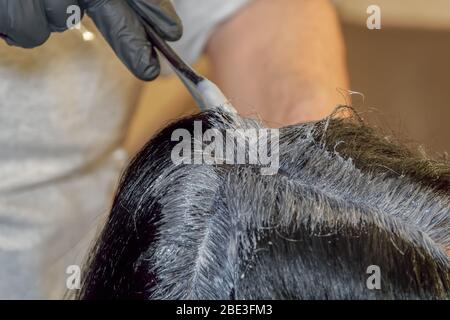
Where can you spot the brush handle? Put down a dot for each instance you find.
(205, 93)
(174, 59)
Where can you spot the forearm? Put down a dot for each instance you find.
(282, 61)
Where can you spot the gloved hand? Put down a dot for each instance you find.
(29, 23)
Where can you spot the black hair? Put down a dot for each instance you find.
(344, 199)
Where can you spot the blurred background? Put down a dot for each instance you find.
(403, 71)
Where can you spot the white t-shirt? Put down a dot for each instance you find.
(200, 17)
(63, 112)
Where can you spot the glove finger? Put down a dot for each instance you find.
(161, 15)
(4, 17)
(123, 30)
(57, 15)
(24, 23)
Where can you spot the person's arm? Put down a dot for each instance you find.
(282, 61)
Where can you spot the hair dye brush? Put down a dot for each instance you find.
(205, 93)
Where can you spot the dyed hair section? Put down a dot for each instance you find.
(345, 198)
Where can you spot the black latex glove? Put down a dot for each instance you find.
(29, 23)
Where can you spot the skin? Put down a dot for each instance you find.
(282, 61)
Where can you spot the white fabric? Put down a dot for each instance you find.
(63, 106)
(63, 111)
(200, 17)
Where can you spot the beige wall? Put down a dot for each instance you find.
(404, 74)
